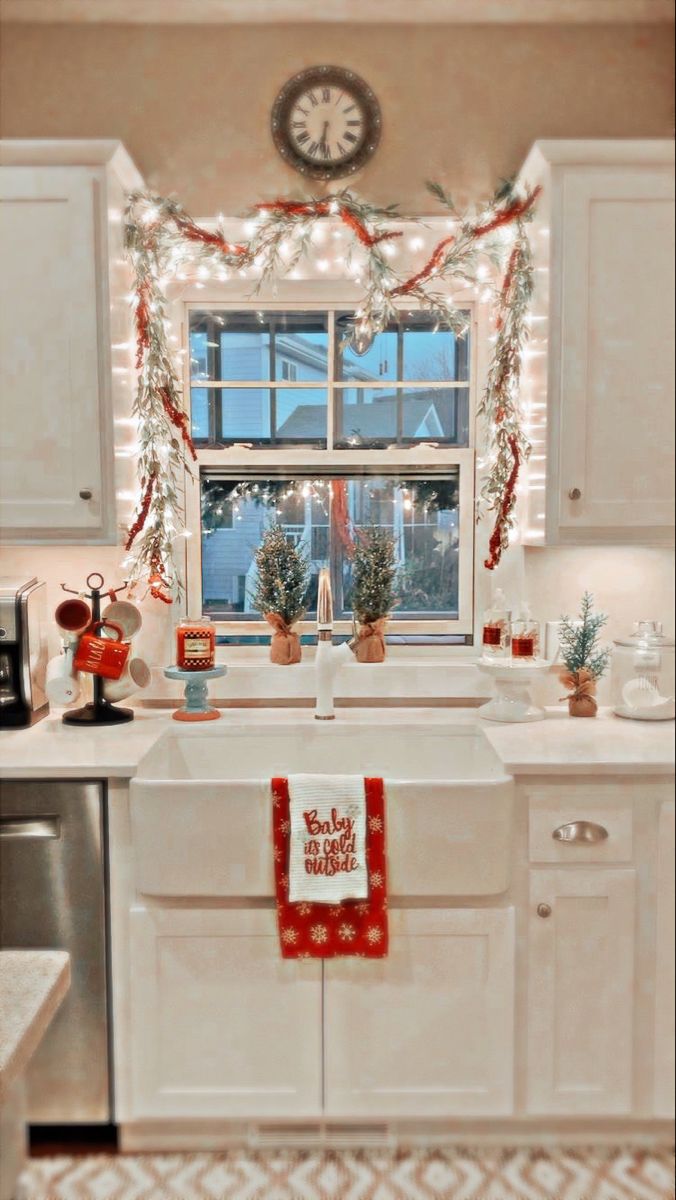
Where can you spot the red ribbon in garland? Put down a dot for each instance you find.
(142, 323)
(195, 233)
(323, 208)
(142, 513)
(496, 543)
(179, 419)
(513, 212)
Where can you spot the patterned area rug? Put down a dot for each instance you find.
(578, 1174)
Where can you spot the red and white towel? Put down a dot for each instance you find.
(330, 866)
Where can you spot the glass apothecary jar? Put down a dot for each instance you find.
(644, 674)
(195, 645)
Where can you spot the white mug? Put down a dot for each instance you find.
(62, 685)
(126, 615)
(136, 675)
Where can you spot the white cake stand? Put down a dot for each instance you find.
(512, 683)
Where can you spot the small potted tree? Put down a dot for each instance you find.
(584, 659)
(374, 571)
(283, 575)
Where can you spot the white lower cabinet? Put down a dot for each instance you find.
(221, 1026)
(665, 993)
(428, 1031)
(581, 991)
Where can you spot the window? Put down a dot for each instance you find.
(323, 515)
(294, 426)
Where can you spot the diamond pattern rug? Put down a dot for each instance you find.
(485, 1174)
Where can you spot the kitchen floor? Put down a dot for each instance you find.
(486, 1174)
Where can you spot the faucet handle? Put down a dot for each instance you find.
(324, 602)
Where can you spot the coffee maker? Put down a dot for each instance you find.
(23, 652)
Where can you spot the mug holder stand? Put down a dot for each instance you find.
(98, 711)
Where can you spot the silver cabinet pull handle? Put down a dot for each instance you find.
(581, 833)
(30, 827)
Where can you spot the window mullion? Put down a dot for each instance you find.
(331, 373)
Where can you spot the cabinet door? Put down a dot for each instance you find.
(221, 1026)
(666, 968)
(581, 992)
(428, 1031)
(615, 428)
(50, 434)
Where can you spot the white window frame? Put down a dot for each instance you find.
(330, 293)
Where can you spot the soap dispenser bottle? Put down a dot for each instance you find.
(525, 636)
(497, 627)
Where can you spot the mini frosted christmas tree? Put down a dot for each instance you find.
(283, 575)
(583, 657)
(374, 573)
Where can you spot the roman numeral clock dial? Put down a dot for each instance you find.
(326, 122)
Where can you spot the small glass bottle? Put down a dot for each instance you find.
(497, 626)
(195, 645)
(525, 636)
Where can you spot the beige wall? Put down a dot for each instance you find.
(461, 104)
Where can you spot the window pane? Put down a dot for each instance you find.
(434, 356)
(421, 514)
(199, 413)
(252, 346)
(301, 415)
(233, 525)
(262, 415)
(413, 349)
(369, 417)
(378, 363)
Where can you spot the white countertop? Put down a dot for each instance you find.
(32, 985)
(559, 745)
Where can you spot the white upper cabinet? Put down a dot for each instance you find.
(64, 317)
(599, 380)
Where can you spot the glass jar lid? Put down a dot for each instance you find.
(646, 633)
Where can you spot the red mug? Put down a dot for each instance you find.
(102, 656)
(73, 616)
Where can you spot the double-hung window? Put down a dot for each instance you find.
(294, 426)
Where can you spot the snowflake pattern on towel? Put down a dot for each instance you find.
(358, 929)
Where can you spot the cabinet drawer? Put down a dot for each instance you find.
(581, 823)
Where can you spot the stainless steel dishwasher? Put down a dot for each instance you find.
(53, 895)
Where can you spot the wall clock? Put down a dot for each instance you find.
(326, 122)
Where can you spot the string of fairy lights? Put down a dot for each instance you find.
(164, 243)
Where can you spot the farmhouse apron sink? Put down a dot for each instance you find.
(200, 806)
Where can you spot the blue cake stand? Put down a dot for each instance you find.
(196, 707)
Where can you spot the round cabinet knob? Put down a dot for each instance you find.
(86, 493)
(575, 494)
(544, 911)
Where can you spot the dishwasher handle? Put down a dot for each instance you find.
(39, 828)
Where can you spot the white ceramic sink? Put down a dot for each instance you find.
(398, 753)
(201, 805)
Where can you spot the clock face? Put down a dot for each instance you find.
(326, 122)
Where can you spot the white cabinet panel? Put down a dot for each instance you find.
(221, 1026)
(665, 1049)
(50, 434)
(429, 1031)
(598, 381)
(616, 429)
(581, 992)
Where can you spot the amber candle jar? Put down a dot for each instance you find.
(195, 645)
